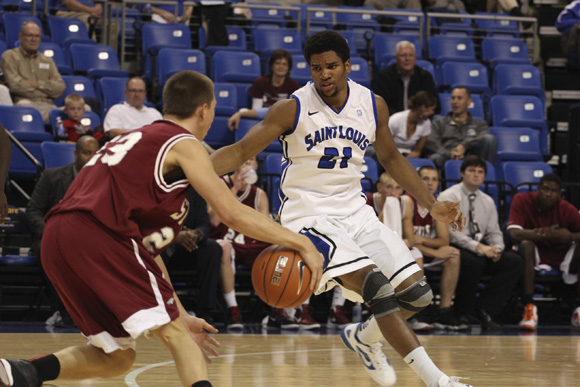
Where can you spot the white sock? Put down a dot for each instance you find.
(369, 332)
(423, 366)
(231, 299)
(337, 297)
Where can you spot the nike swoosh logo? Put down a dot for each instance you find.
(312, 113)
(411, 362)
(301, 266)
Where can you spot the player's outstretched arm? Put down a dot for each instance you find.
(197, 167)
(404, 173)
(279, 119)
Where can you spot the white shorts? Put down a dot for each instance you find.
(353, 242)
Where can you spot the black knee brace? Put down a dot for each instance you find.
(378, 292)
(416, 296)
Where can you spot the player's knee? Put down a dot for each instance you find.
(415, 297)
(120, 362)
(378, 292)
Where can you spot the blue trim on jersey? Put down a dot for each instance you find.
(323, 244)
(375, 109)
(288, 162)
(298, 109)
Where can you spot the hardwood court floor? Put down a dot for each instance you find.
(322, 360)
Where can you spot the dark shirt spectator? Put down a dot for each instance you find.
(568, 23)
(398, 82)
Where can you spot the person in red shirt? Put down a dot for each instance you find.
(545, 230)
(74, 108)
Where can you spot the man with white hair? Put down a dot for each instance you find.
(400, 81)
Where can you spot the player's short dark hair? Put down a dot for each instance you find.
(185, 91)
(473, 161)
(280, 54)
(551, 177)
(324, 41)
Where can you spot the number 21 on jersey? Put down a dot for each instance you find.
(331, 156)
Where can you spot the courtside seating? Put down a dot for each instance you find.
(96, 60)
(54, 51)
(76, 84)
(174, 60)
(452, 170)
(268, 40)
(515, 144)
(66, 31)
(518, 79)
(236, 37)
(470, 75)
(155, 36)
(497, 51)
(451, 48)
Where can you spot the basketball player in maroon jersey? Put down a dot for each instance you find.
(123, 209)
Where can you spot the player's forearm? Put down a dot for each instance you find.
(517, 235)
(226, 159)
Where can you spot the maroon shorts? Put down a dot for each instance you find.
(247, 254)
(111, 286)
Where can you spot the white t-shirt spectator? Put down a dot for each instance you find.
(398, 126)
(126, 117)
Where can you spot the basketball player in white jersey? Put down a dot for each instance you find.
(324, 129)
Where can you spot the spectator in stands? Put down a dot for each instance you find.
(481, 248)
(165, 13)
(5, 98)
(546, 231)
(458, 134)
(236, 246)
(568, 23)
(382, 4)
(48, 191)
(451, 6)
(133, 113)
(33, 78)
(5, 154)
(74, 108)
(193, 249)
(87, 10)
(431, 238)
(275, 86)
(411, 128)
(396, 83)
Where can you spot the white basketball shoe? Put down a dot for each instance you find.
(376, 363)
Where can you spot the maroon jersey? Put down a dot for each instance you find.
(246, 248)
(123, 187)
(373, 201)
(525, 214)
(423, 222)
(270, 94)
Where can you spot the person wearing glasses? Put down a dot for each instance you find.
(403, 79)
(132, 113)
(32, 77)
(481, 248)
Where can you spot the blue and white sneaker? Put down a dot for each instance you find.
(376, 363)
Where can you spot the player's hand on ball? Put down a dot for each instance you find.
(315, 262)
(449, 213)
(200, 330)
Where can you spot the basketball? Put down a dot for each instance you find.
(281, 278)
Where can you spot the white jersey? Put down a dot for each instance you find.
(325, 152)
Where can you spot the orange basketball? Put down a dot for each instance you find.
(281, 278)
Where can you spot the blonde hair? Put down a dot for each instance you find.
(73, 98)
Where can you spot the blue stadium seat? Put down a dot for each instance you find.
(66, 31)
(497, 26)
(357, 20)
(496, 51)
(237, 41)
(470, 75)
(13, 23)
(451, 48)
(315, 18)
(219, 135)
(300, 71)
(174, 60)
(515, 144)
(155, 36)
(111, 91)
(518, 79)
(96, 60)
(455, 27)
(370, 171)
(351, 40)
(267, 16)
(76, 84)
(57, 154)
(359, 71)
(90, 119)
(475, 108)
(24, 122)
(233, 66)
(20, 165)
(226, 95)
(520, 172)
(417, 162)
(520, 111)
(3, 47)
(408, 25)
(246, 124)
(54, 51)
(268, 40)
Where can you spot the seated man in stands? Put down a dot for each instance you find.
(85, 10)
(131, 114)
(481, 248)
(33, 78)
(236, 246)
(49, 190)
(432, 239)
(458, 134)
(546, 231)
